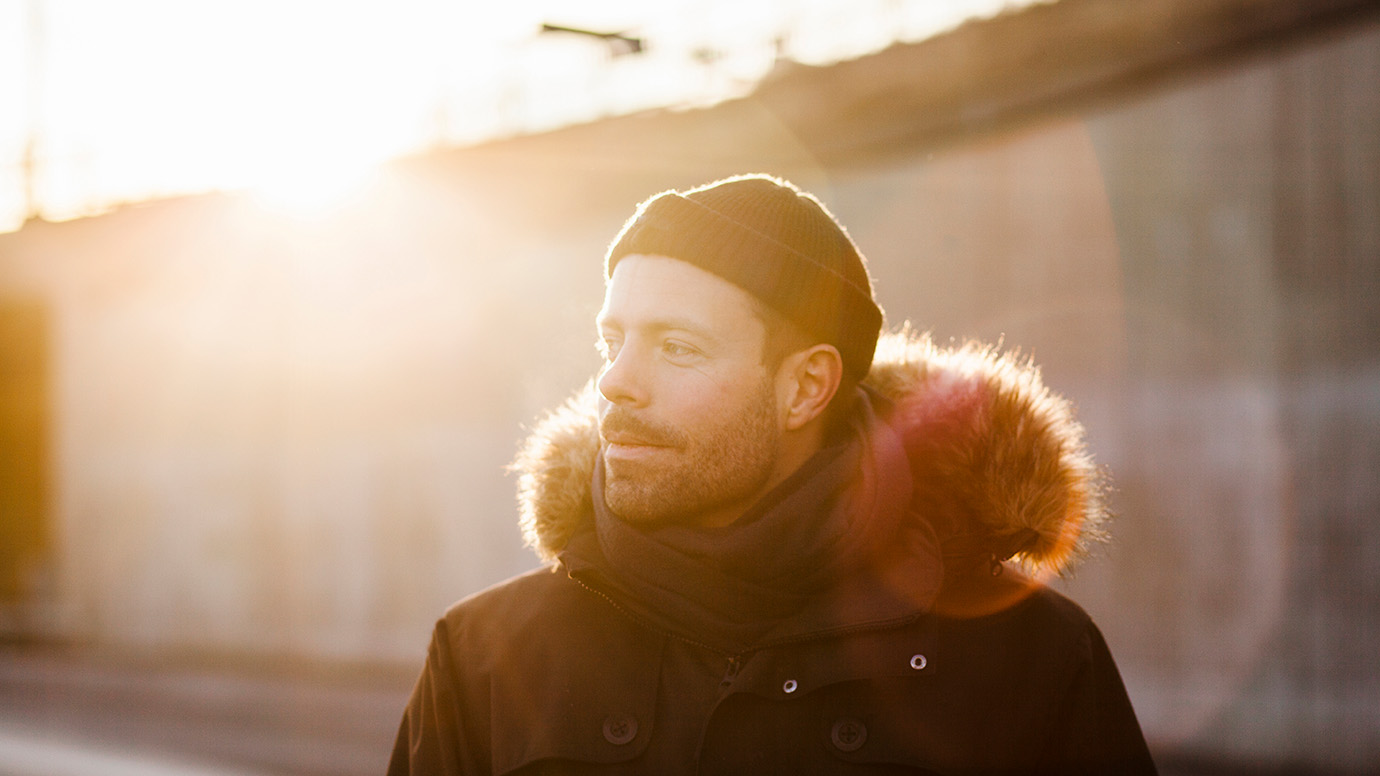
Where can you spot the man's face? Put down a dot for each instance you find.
(687, 411)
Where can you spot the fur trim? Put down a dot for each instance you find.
(1000, 463)
(555, 468)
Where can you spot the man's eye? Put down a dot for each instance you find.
(676, 349)
(607, 349)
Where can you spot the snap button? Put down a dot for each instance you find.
(789, 686)
(918, 662)
(619, 729)
(848, 735)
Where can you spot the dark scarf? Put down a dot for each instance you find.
(833, 546)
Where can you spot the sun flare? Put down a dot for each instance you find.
(314, 188)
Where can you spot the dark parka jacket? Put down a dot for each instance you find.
(563, 671)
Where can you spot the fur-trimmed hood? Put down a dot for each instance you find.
(1000, 464)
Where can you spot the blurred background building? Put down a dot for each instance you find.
(258, 388)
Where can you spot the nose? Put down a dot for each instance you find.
(622, 382)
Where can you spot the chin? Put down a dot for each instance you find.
(629, 503)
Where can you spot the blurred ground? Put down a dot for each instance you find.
(81, 712)
(65, 712)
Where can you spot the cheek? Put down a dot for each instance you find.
(695, 408)
(752, 400)
(699, 402)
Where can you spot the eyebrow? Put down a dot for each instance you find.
(660, 325)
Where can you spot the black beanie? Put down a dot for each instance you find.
(774, 241)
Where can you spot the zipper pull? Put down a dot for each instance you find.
(734, 663)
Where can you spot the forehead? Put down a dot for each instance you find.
(659, 290)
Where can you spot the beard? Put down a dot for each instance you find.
(695, 470)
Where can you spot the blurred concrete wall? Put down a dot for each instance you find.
(284, 434)
(1247, 208)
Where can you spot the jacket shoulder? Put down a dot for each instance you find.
(523, 592)
(1020, 628)
(978, 596)
(516, 673)
(1038, 668)
(545, 663)
(541, 618)
(541, 606)
(1057, 609)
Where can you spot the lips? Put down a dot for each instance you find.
(629, 447)
(632, 441)
(618, 455)
(628, 440)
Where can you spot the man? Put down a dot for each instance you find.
(773, 553)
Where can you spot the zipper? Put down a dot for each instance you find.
(644, 622)
(734, 664)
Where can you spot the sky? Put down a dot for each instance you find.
(127, 100)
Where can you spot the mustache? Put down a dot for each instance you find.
(617, 421)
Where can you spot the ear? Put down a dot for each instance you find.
(808, 381)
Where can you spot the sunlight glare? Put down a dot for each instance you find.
(144, 99)
(315, 188)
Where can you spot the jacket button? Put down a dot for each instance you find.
(848, 735)
(619, 729)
